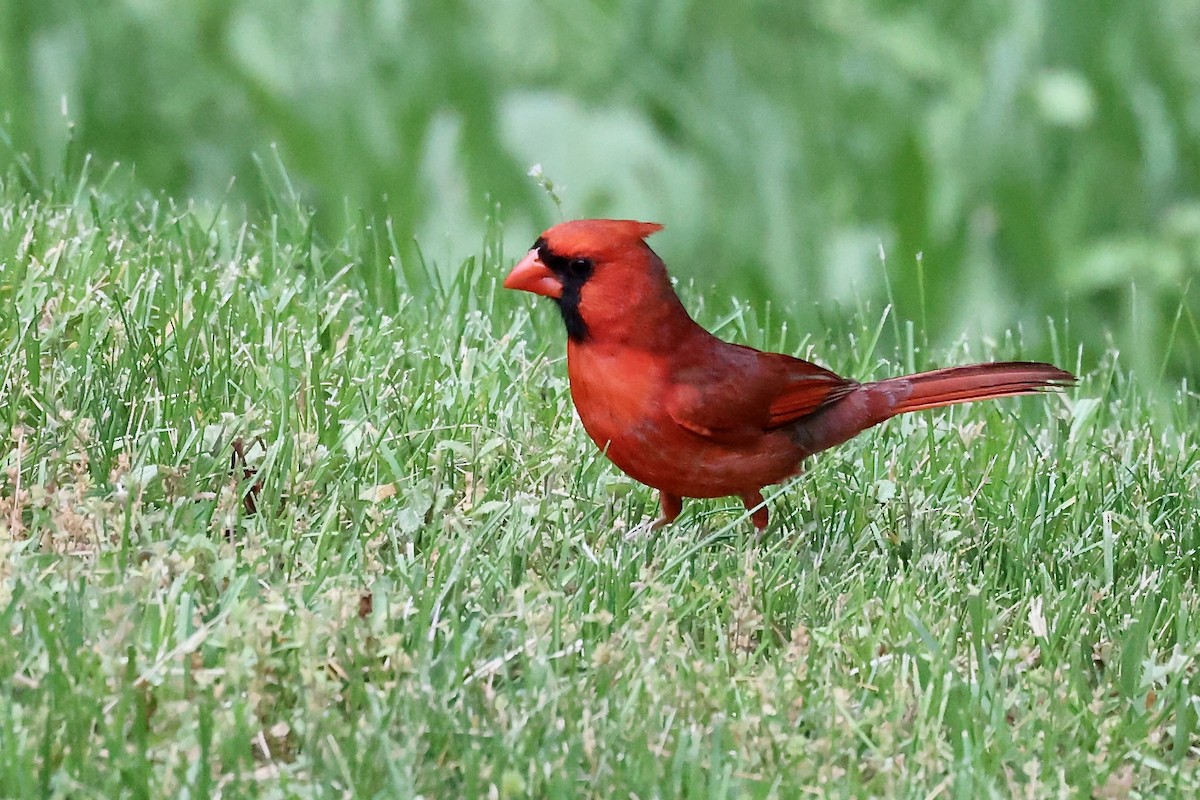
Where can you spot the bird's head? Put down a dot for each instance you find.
(598, 271)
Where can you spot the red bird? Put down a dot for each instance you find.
(693, 416)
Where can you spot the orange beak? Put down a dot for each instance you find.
(531, 275)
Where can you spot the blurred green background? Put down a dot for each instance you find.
(1013, 161)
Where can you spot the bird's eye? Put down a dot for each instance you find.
(580, 266)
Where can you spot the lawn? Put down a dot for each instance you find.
(277, 520)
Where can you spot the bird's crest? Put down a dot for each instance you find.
(584, 237)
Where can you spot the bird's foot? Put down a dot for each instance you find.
(644, 529)
(671, 506)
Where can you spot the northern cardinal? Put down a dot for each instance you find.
(691, 415)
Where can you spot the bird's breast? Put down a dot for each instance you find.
(618, 394)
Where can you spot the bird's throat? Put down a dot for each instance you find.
(568, 306)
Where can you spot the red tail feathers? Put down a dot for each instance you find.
(944, 387)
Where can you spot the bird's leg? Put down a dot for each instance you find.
(672, 504)
(759, 517)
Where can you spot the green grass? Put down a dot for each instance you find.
(436, 595)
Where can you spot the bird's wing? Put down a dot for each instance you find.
(807, 388)
(737, 393)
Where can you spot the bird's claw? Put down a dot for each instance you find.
(644, 529)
